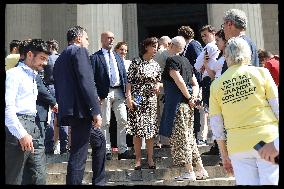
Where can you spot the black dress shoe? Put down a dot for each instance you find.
(126, 155)
(108, 156)
(213, 151)
(166, 146)
(152, 166)
(137, 167)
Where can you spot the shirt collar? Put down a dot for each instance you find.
(27, 68)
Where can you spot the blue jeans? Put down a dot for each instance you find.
(49, 134)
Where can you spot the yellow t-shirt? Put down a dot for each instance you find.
(240, 95)
(11, 60)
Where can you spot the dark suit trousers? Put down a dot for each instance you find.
(98, 144)
(79, 149)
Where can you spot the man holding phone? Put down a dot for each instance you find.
(269, 151)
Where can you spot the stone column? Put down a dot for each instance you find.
(97, 18)
(130, 34)
(22, 21)
(56, 20)
(269, 13)
(253, 12)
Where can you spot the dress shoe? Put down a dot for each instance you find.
(128, 154)
(137, 167)
(108, 156)
(213, 151)
(152, 166)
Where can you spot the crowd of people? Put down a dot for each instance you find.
(170, 95)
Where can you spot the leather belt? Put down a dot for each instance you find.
(115, 87)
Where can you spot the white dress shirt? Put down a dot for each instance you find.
(213, 53)
(20, 97)
(112, 72)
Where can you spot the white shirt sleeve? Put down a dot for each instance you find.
(11, 120)
(217, 126)
(199, 61)
(273, 102)
(276, 143)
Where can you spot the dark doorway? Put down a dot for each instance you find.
(165, 19)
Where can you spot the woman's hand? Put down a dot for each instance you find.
(156, 88)
(227, 165)
(191, 102)
(129, 102)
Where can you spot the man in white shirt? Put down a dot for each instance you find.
(206, 64)
(24, 144)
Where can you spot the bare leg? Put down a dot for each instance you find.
(137, 147)
(188, 167)
(150, 144)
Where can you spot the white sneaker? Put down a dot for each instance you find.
(186, 176)
(57, 147)
(201, 175)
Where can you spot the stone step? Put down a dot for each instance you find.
(165, 162)
(221, 181)
(162, 152)
(145, 175)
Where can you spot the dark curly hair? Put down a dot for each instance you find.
(147, 42)
(186, 32)
(53, 44)
(119, 44)
(209, 28)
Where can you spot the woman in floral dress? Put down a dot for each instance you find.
(144, 77)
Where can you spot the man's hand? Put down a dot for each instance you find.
(268, 152)
(227, 165)
(55, 108)
(97, 121)
(27, 143)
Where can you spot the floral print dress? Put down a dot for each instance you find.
(142, 119)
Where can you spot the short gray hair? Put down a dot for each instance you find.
(238, 17)
(237, 51)
(164, 40)
(179, 41)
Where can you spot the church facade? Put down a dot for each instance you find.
(133, 22)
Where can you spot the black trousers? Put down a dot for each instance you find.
(24, 167)
(98, 144)
(80, 138)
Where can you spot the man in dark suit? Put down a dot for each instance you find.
(79, 107)
(44, 100)
(111, 79)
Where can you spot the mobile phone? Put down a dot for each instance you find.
(259, 145)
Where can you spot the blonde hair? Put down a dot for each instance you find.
(237, 51)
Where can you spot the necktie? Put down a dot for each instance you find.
(112, 70)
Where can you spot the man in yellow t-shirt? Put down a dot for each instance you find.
(12, 59)
(244, 102)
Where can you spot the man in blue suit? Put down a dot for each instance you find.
(79, 107)
(111, 79)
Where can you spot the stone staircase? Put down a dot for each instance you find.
(121, 172)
